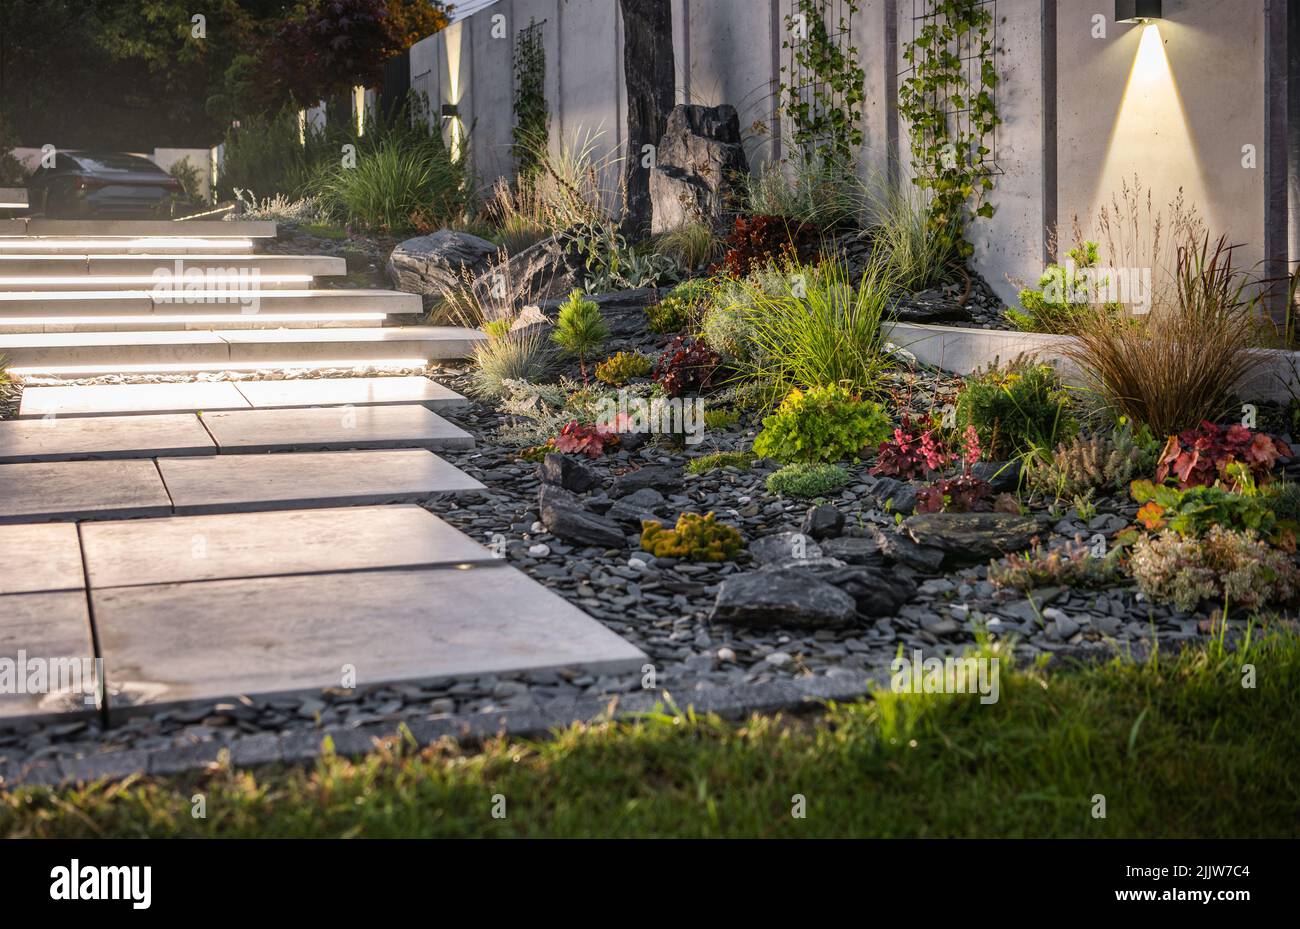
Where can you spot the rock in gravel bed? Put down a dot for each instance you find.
(782, 597)
(782, 547)
(568, 473)
(564, 515)
(853, 550)
(823, 522)
(663, 478)
(967, 538)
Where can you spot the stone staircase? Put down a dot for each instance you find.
(81, 298)
(205, 541)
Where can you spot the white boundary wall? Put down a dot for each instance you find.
(1177, 110)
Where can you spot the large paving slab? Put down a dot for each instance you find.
(357, 391)
(113, 399)
(321, 428)
(48, 630)
(183, 549)
(61, 490)
(247, 483)
(92, 437)
(36, 557)
(215, 639)
(73, 267)
(77, 228)
(15, 244)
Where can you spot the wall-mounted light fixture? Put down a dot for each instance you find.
(1136, 11)
(450, 111)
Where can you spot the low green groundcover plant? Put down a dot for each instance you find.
(619, 368)
(1176, 743)
(1015, 409)
(1193, 511)
(807, 481)
(822, 424)
(1227, 567)
(715, 460)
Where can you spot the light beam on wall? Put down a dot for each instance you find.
(1151, 137)
(453, 37)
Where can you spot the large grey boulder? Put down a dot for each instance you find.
(966, 538)
(791, 597)
(545, 270)
(698, 167)
(434, 265)
(564, 515)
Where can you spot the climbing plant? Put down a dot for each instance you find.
(823, 86)
(531, 115)
(949, 104)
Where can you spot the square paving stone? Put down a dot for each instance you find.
(357, 391)
(334, 427)
(94, 437)
(244, 483)
(46, 634)
(235, 545)
(118, 399)
(40, 557)
(47, 491)
(178, 643)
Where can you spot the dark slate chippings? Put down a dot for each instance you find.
(901, 596)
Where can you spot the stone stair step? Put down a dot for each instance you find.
(183, 549)
(248, 483)
(100, 352)
(83, 228)
(103, 437)
(322, 428)
(108, 270)
(196, 396)
(91, 304)
(176, 643)
(14, 243)
(195, 323)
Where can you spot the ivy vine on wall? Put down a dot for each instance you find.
(948, 102)
(532, 118)
(825, 87)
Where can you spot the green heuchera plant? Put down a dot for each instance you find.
(580, 329)
(1016, 409)
(822, 424)
(807, 481)
(1194, 511)
(695, 538)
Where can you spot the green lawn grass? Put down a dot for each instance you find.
(1177, 746)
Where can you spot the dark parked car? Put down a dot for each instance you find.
(103, 184)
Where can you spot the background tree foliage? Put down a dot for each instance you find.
(131, 74)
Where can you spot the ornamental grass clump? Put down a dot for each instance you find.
(1180, 363)
(512, 356)
(822, 424)
(695, 538)
(821, 330)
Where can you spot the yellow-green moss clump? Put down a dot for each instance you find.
(695, 538)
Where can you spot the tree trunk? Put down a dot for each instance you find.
(648, 70)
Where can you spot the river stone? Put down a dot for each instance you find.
(822, 522)
(782, 547)
(433, 265)
(564, 515)
(664, 478)
(789, 597)
(566, 472)
(853, 550)
(899, 496)
(967, 538)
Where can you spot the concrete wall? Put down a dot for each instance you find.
(1177, 110)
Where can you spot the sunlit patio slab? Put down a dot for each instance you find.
(338, 427)
(178, 643)
(62, 490)
(241, 545)
(101, 437)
